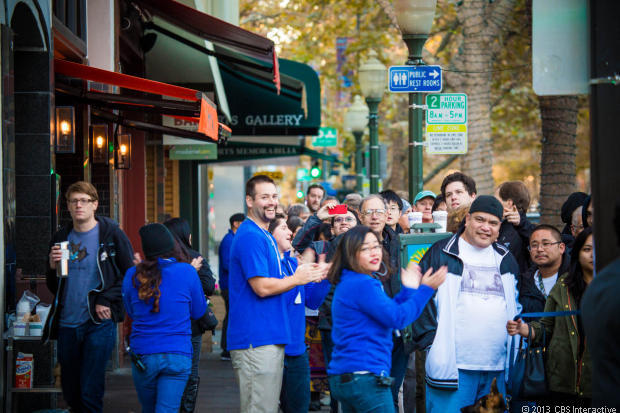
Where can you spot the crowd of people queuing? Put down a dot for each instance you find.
(438, 332)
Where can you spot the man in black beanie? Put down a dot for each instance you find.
(571, 216)
(464, 325)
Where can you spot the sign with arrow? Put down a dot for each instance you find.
(327, 138)
(412, 79)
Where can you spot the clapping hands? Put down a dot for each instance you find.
(412, 277)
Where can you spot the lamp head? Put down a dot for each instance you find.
(356, 118)
(372, 75)
(415, 16)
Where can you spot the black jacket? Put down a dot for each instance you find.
(208, 286)
(306, 234)
(530, 297)
(516, 239)
(446, 252)
(114, 258)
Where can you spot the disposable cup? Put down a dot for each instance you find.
(441, 218)
(36, 328)
(20, 328)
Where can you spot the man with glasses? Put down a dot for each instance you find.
(547, 252)
(88, 302)
(374, 214)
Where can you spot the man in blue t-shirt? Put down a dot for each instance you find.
(88, 302)
(258, 324)
(224, 265)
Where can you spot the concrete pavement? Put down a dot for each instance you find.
(218, 389)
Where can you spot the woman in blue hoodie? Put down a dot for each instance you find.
(161, 294)
(295, 394)
(364, 318)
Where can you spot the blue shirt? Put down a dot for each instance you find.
(252, 320)
(310, 295)
(224, 258)
(363, 320)
(169, 330)
(83, 276)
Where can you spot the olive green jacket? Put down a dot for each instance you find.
(566, 373)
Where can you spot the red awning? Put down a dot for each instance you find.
(215, 30)
(207, 122)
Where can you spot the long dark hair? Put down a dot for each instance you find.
(347, 250)
(275, 222)
(574, 281)
(179, 228)
(148, 273)
(147, 278)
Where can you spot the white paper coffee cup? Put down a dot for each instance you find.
(441, 218)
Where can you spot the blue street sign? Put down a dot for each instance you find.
(407, 79)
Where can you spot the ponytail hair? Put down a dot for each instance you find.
(147, 278)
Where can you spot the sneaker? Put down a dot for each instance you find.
(225, 356)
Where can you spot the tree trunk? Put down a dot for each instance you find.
(482, 22)
(557, 163)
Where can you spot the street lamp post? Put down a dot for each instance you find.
(415, 19)
(372, 75)
(356, 120)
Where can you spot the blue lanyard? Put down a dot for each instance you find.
(273, 244)
(547, 314)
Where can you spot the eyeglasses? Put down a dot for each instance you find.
(378, 212)
(373, 248)
(340, 220)
(545, 245)
(82, 201)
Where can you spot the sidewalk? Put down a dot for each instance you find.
(218, 389)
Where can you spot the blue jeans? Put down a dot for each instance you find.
(361, 393)
(472, 386)
(295, 394)
(161, 386)
(83, 353)
(399, 367)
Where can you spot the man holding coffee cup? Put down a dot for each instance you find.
(88, 300)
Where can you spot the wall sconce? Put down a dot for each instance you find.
(99, 139)
(65, 129)
(122, 152)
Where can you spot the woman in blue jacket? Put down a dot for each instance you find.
(364, 319)
(179, 228)
(161, 295)
(295, 394)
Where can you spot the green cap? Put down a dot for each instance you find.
(424, 194)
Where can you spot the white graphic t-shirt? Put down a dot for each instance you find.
(480, 311)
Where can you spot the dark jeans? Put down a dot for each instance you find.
(399, 367)
(328, 345)
(414, 386)
(225, 322)
(295, 394)
(362, 393)
(83, 353)
(190, 394)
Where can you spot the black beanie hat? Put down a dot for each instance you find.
(156, 240)
(574, 201)
(488, 204)
(584, 211)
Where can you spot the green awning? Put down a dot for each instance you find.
(244, 151)
(257, 109)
